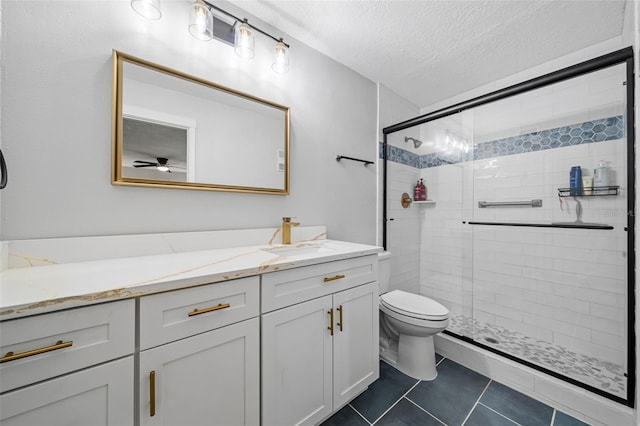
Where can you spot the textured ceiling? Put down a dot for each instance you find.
(430, 50)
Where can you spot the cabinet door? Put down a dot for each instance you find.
(100, 395)
(296, 364)
(355, 342)
(212, 378)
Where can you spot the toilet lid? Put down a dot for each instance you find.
(414, 305)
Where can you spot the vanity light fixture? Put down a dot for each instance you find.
(150, 9)
(281, 64)
(201, 21)
(245, 41)
(206, 23)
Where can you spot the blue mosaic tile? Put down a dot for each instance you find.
(402, 156)
(605, 129)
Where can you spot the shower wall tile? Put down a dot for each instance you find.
(572, 304)
(403, 232)
(616, 300)
(563, 286)
(532, 330)
(607, 340)
(595, 350)
(548, 323)
(603, 311)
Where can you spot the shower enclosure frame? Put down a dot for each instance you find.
(622, 56)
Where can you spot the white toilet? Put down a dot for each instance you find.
(407, 324)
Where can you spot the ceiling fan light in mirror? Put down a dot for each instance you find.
(201, 21)
(245, 41)
(281, 63)
(149, 9)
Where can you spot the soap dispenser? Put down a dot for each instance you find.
(423, 191)
(417, 192)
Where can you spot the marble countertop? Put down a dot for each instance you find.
(35, 290)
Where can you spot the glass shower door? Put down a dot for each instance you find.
(550, 270)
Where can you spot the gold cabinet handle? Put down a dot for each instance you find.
(211, 309)
(337, 277)
(340, 318)
(10, 356)
(152, 393)
(330, 321)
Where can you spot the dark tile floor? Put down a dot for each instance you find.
(458, 396)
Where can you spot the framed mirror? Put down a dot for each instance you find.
(174, 130)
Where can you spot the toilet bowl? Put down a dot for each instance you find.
(408, 323)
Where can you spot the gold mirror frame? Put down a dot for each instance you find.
(119, 178)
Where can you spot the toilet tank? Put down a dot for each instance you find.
(384, 270)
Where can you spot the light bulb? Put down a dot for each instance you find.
(201, 21)
(281, 63)
(244, 41)
(163, 168)
(150, 9)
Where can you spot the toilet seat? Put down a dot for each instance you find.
(414, 306)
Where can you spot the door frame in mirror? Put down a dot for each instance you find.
(117, 176)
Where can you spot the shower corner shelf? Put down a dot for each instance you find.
(596, 191)
(426, 202)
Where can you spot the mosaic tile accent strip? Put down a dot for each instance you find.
(402, 156)
(598, 373)
(601, 130)
(605, 129)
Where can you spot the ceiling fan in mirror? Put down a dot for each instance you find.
(162, 164)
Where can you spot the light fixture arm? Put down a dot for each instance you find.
(246, 22)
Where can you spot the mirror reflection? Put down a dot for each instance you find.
(176, 130)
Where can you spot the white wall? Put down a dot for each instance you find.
(403, 232)
(56, 126)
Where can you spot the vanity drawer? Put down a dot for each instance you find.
(48, 345)
(174, 315)
(284, 288)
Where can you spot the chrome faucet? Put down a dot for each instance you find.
(286, 229)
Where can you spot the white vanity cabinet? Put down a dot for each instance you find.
(72, 367)
(200, 355)
(319, 339)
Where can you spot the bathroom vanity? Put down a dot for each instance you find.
(263, 334)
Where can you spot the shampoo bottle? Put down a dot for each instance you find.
(423, 191)
(601, 175)
(575, 181)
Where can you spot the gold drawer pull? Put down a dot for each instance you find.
(337, 277)
(211, 309)
(341, 322)
(152, 393)
(10, 356)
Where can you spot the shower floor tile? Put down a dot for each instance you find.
(600, 374)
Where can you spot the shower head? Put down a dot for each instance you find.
(416, 142)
